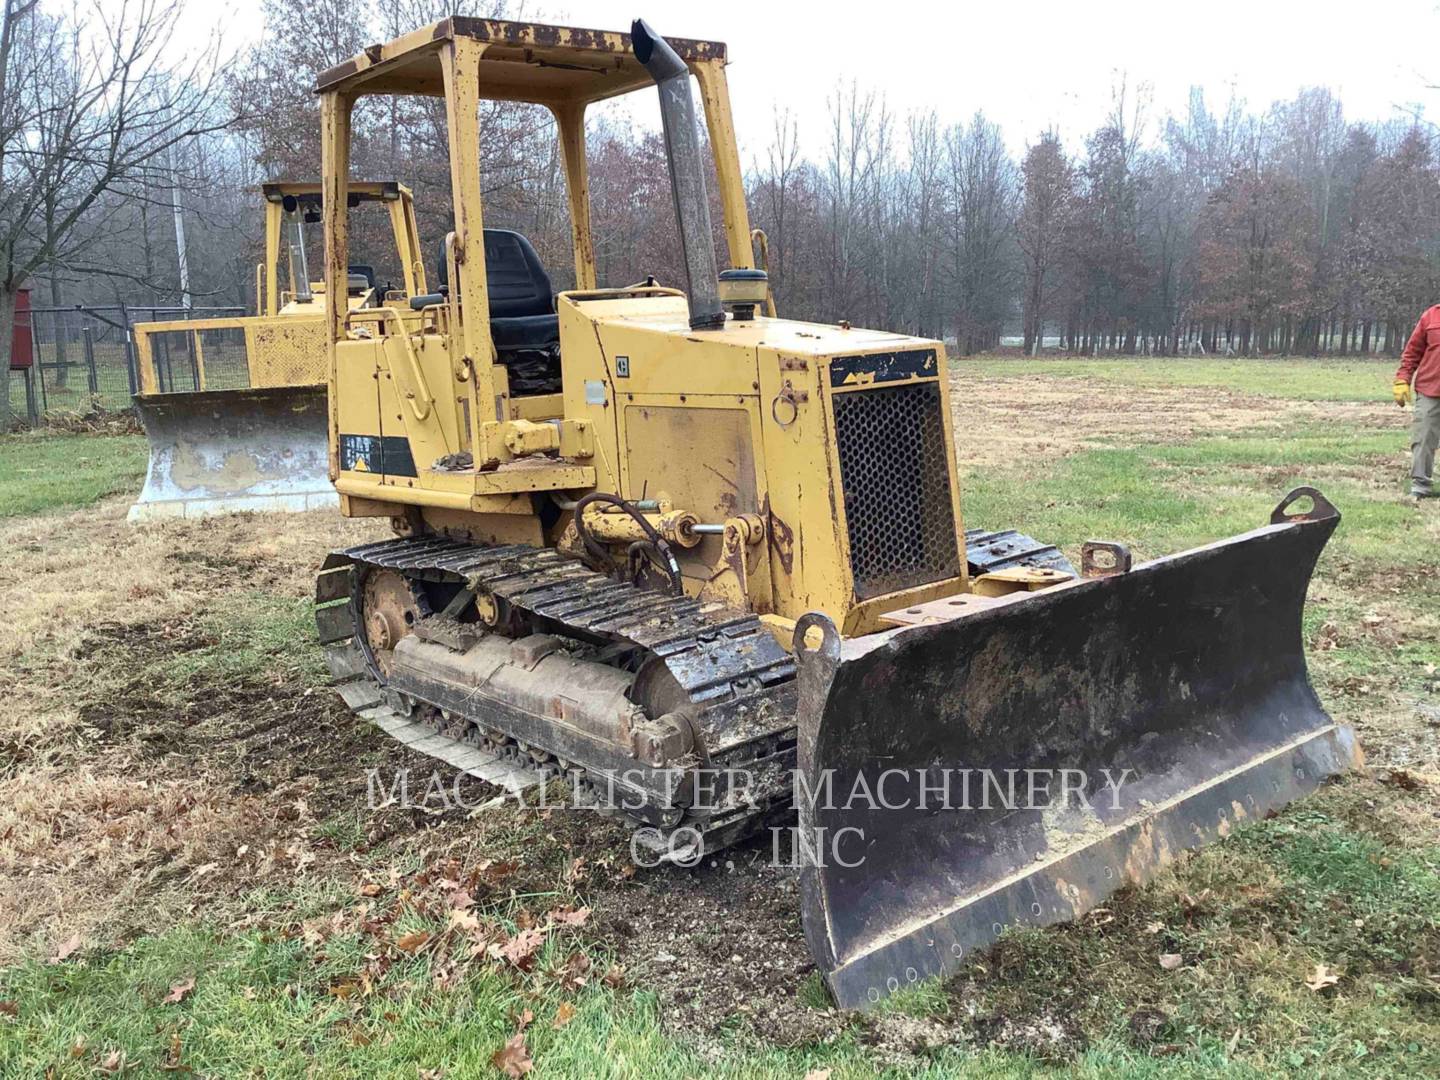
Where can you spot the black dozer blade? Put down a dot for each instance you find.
(1188, 671)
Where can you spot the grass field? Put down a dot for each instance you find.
(43, 472)
(192, 879)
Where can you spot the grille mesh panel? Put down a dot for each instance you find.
(895, 477)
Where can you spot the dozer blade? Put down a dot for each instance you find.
(1187, 671)
(221, 451)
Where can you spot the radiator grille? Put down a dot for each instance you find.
(896, 482)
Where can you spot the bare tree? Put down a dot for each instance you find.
(1047, 202)
(90, 107)
(981, 218)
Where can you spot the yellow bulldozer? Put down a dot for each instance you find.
(711, 572)
(247, 430)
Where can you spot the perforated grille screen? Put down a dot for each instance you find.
(893, 459)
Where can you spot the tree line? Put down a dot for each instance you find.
(1224, 230)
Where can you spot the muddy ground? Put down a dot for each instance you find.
(148, 772)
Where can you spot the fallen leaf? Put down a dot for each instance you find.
(370, 888)
(461, 900)
(615, 977)
(1322, 977)
(564, 1013)
(463, 920)
(9, 1008)
(573, 975)
(1154, 927)
(523, 1019)
(172, 1062)
(513, 1059)
(1170, 961)
(568, 917)
(67, 948)
(113, 1062)
(495, 872)
(413, 941)
(818, 1074)
(344, 990)
(178, 991)
(520, 950)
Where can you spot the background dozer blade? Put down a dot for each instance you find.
(1188, 671)
(219, 451)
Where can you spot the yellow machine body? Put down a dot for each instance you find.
(232, 432)
(285, 341)
(786, 496)
(725, 424)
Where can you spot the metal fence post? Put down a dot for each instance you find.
(88, 336)
(32, 407)
(130, 371)
(36, 362)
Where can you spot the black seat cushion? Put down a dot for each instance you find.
(517, 283)
(525, 332)
(523, 322)
(522, 307)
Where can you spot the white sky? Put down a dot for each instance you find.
(1027, 64)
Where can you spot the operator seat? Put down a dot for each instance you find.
(523, 322)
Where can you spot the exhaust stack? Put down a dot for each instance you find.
(687, 173)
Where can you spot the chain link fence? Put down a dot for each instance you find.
(85, 356)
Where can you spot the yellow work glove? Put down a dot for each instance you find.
(1403, 394)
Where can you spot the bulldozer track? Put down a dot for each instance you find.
(726, 662)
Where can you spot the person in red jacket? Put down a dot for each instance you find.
(1420, 365)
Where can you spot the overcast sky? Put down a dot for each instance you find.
(1029, 64)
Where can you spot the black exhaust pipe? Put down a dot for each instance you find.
(687, 173)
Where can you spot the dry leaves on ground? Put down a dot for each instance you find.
(1321, 978)
(67, 948)
(513, 1059)
(520, 950)
(179, 991)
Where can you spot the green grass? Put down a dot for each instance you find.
(1349, 379)
(267, 1002)
(40, 473)
(251, 633)
(1165, 496)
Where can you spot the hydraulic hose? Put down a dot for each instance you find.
(662, 553)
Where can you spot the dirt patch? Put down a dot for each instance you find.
(721, 945)
(1009, 419)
